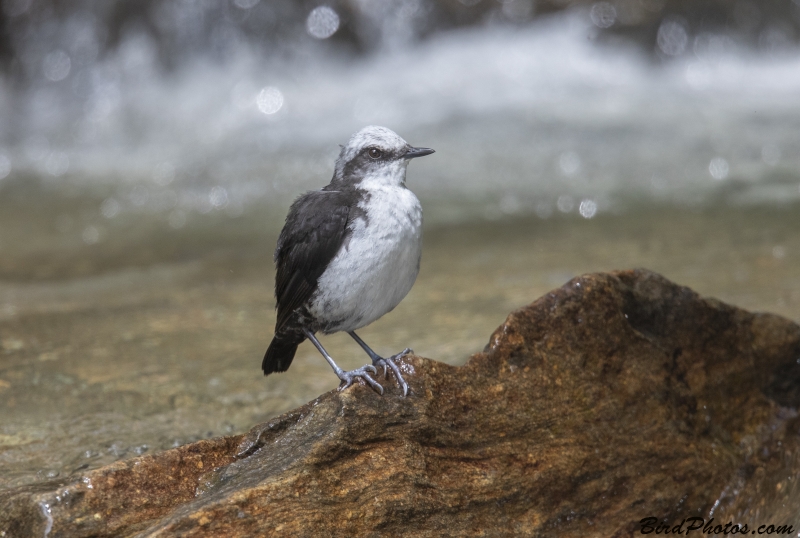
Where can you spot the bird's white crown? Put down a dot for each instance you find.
(373, 136)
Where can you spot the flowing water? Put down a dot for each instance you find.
(108, 365)
(139, 210)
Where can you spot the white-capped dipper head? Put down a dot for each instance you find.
(376, 155)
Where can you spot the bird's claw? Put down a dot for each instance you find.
(389, 362)
(363, 372)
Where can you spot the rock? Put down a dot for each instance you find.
(614, 398)
(115, 500)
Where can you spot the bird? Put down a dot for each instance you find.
(348, 254)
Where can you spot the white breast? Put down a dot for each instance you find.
(376, 268)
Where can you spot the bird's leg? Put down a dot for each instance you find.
(377, 360)
(347, 377)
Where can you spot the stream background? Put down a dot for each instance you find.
(147, 160)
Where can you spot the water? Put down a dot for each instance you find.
(96, 368)
(139, 209)
(522, 115)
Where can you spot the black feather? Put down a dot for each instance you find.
(316, 228)
(280, 353)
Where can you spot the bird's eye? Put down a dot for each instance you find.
(375, 153)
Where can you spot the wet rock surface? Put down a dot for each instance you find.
(614, 398)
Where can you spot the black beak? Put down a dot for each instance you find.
(417, 152)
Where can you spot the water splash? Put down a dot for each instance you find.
(536, 114)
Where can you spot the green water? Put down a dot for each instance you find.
(148, 339)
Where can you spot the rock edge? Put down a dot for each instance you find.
(613, 398)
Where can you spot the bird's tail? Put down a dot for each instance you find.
(280, 352)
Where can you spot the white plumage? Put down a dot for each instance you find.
(384, 256)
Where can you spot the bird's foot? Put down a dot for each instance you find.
(349, 376)
(389, 363)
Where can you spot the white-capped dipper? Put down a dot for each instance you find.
(349, 253)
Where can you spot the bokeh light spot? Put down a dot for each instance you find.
(90, 235)
(569, 162)
(718, 168)
(218, 197)
(322, 22)
(603, 15)
(269, 100)
(565, 203)
(587, 208)
(672, 37)
(164, 174)
(56, 65)
(110, 208)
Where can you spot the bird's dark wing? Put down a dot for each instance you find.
(315, 228)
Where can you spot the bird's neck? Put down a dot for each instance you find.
(387, 176)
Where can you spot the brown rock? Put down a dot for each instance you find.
(614, 398)
(115, 500)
